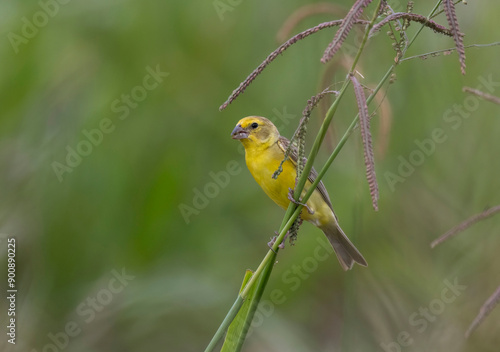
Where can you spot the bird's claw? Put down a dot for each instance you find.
(273, 241)
(291, 199)
(270, 244)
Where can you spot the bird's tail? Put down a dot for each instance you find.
(346, 253)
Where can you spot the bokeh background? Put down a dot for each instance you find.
(121, 253)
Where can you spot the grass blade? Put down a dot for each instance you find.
(237, 332)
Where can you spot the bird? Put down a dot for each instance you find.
(264, 151)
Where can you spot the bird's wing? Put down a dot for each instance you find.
(283, 143)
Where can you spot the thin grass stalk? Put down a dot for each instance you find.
(347, 23)
(485, 309)
(413, 17)
(444, 51)
(277, 52)
(466, 224)
(225, 323)
(481, 94)
(436, 7)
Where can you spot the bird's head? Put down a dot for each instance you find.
(255, 131)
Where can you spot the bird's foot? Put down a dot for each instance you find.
(291, 199)
(273, 241)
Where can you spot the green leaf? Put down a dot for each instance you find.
(238, 329)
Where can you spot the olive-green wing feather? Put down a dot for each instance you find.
(283, 143)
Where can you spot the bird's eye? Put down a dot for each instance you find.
(254, 125)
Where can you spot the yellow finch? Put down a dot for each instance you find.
(264, 151)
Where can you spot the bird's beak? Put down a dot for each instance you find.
(239, 133)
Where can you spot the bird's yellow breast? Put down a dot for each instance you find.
(263, 162)
(262, 165)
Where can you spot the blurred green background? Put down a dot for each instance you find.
(106, 260)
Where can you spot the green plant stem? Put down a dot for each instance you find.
(422, 26)
(261, 285)
(441, 11)
(294, 210)
(225, 323)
